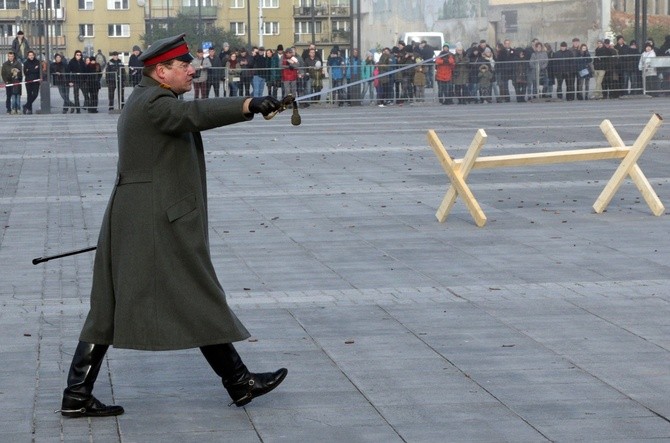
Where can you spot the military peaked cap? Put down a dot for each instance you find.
(167, 49)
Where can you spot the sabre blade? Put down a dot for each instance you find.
(365, 80)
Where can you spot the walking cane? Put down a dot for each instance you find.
(38, 260)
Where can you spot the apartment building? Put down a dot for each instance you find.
(116, 25)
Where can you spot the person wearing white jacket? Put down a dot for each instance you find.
(649, 73)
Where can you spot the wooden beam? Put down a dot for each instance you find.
(458, 170)
(547, 158)
(457, 179)
(627, 166)
(464, 167)
(636, 174)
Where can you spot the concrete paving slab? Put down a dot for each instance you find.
(549, 324)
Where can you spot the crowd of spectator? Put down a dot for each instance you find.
(479, 73)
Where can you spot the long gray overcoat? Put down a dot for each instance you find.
(154, 285)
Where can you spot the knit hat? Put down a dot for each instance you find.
(459, 45)
(280, 47)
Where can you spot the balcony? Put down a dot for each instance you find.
(302, 11)
(55, 41)
(205, 12)
(157, 13)
(307, 11)
(341, 36)
(340, 11)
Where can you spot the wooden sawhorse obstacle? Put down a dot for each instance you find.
(458, 170)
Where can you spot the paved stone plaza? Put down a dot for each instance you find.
(551, 323)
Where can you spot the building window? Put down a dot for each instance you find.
(9, 4)
(118, 30)
(340, 25)
(237, 4)
(196, 3)
(86, 5)
(86, 30)
(117, 4)
(8, 29)
(270, 3)
(237, 28)
(510, 23)
(306, 27)
(270, 28)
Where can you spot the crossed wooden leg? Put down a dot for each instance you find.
(629, 166)
(458, 170)
(457, 175)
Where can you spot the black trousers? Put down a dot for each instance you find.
(32, 91)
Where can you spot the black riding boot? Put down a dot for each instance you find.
(77, 398)
(242, 385)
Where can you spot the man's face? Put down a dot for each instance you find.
(10, 57)
(179, 75)
(31, 56)
(507, 44)
(212, 53)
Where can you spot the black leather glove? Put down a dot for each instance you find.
(264, 105)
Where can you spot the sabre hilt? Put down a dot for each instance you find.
(287, 101)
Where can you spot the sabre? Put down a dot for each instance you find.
(38, 260)
(289, 100)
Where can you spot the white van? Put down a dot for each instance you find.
(434, 39)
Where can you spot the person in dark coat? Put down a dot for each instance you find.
(135, 66)
(154, 285)
(93, 77)
(564, 67)
(20, 47)
(115, 77)
(77, 72)
(216, 72)
(31, 75)
(58, 71)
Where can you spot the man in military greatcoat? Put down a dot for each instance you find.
(154, 284)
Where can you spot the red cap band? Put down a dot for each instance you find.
(169, 55)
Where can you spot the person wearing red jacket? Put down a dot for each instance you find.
(290, 66)
(444, 69)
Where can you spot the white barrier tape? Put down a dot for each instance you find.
(4, 85)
